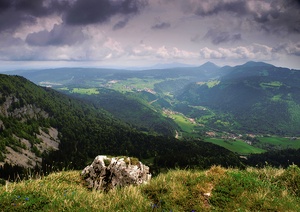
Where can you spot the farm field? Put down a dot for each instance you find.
(280, 142)
(187, 125)
(87, 91)
(237, 146)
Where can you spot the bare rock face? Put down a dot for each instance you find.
(106, 173)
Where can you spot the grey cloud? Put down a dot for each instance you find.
(14, 13)
(162, 25)
(11, 20)
(32, 7)
(8, 41)
(35, 8)
(121, 24)
(270, 16)
(288, 48)
(4, 5)
(11, 48)
(238, 7)
(95, 11)
(59, 35)
(218, 37)
(196, 38)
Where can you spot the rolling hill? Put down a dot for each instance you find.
(49, 130)
(257, 97)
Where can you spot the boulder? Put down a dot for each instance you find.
(106, 173)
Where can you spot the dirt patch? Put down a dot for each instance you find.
(50, 141)
(23, 158)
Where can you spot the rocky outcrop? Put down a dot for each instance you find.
(24, 156)
(106, 173)
(21, 112)
(25, 151)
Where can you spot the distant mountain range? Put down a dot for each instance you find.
(161, 116)
(258, 97)
(254, 97)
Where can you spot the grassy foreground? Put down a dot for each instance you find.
(216, 189)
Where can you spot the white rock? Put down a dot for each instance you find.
(120, 172)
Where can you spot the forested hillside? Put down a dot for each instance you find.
(254, 97)
(132, 108)
(84, 132)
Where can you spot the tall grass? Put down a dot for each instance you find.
(216, 189)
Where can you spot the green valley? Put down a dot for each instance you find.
(254, 99)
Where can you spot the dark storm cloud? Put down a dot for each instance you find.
(38, 8)
(4, 4)
(98, 11)
(59, 35)
(272, 16)
(238, 7)
(162, 25)
(13, 13)
(218, 37)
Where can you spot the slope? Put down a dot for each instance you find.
(215, 189)
(260, 97)
(84, 132)
(132, 108)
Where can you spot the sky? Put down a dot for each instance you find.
(142, 33)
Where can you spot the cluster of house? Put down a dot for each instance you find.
(230, 136)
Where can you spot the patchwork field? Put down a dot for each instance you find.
(237, 146)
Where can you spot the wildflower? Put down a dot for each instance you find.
(27, 198)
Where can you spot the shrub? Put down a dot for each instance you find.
(107, 161)
(291, 179)
(134, 161)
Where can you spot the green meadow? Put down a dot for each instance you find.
(273, 84)
(280, 142)
(237, 146)
(186, 125)
(87, 91)
(215, 189)
(134, 83)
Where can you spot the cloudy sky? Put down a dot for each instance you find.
(39, 33)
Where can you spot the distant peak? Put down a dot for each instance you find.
(255, 64)
(209, 66)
